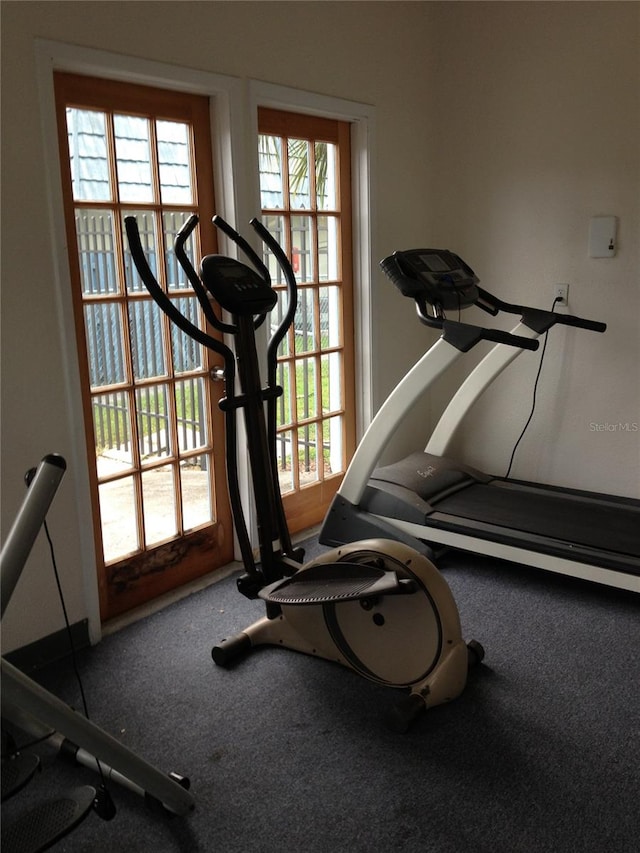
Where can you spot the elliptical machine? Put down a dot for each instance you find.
(377, 606)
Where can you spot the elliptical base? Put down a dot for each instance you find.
(411, 640)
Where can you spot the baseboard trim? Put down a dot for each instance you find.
(51, 648)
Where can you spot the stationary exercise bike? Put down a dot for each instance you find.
(377, 607)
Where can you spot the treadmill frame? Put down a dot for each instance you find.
(435, 361)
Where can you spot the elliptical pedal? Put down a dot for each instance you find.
(335, 582)
(41, 827)
(17, 771)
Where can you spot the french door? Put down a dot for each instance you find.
(305, 187)
(155, 436)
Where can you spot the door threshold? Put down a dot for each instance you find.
(116, 624)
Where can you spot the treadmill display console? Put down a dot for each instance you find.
(436, 275)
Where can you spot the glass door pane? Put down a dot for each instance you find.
(301, 185)
(159, 463)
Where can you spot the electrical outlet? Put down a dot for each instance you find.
(561, 293)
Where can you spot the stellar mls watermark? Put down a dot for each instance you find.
(619, 426)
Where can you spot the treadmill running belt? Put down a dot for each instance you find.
(614, 528)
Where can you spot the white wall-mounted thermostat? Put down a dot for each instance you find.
(602, 236)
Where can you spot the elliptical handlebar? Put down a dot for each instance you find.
(165, 303)
(161, 298)
(246, 247)
(246, 293)
(292, 289)
(181, 238)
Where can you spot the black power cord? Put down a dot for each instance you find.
(14, 749)
(103, 803)
(535, 391)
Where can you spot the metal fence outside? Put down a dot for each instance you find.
(105, 326)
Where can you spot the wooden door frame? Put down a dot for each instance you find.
(362, 119)
(225, 96)
(306, 503)
(133, 580)
(234, 119)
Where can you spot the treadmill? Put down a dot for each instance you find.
(430, 500)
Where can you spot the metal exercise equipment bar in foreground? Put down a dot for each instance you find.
(35, 710)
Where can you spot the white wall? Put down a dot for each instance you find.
(501, 128)
(274, 42)
(540, 131)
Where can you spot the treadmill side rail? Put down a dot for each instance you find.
(382, 428)
(523, 555)
(474, 386)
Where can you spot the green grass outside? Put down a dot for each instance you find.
(111, 420)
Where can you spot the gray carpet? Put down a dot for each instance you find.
(286, 753)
